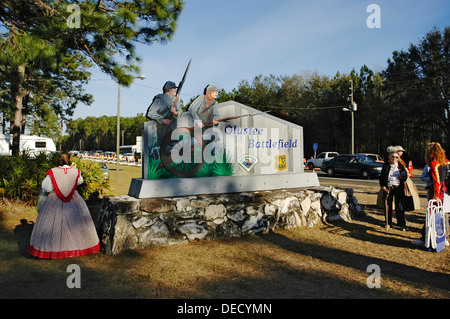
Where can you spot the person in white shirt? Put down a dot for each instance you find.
(392, 178)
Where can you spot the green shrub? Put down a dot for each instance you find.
(21, 176)
(95, 184)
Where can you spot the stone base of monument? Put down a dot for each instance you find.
(127, 222)
(141, 188)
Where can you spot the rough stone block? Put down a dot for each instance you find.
(157, 206)
(215, 211)
(129, 223)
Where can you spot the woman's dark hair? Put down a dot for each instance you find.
(64, 159)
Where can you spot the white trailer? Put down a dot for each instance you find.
(5, 145)
(31, 143)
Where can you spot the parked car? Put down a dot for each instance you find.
(105, 170)
(375, 157)
(98, 153)
(318, 161)
(353, 164)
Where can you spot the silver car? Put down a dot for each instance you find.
(377, 158)
(105, 169)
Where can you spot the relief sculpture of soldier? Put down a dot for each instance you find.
(204, 108)
(165, 109)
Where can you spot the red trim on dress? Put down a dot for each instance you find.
(62, 254)
(57, 190)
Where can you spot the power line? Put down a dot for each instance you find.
(159, 89)
(147, 86)
(318, 108)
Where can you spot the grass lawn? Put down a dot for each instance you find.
(330, 261)
(126, 174)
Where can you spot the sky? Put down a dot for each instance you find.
(234, 40)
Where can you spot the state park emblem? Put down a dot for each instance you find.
(280, 162)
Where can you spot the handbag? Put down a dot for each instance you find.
(411, 201)
(41, 199)
(381, 198)
(408, 204)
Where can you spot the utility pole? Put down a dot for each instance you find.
(118, 134)
(141, 77)
(353, 116)
(353, 107)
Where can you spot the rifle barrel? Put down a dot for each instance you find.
(235, 117)
(184, 77)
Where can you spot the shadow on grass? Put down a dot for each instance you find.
(281, 281)
(22, 234)
(24, 276)
(414, 217)
(360, 262)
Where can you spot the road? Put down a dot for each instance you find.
(349, 180)
(364, 186)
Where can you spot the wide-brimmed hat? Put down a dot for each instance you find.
(400, 149)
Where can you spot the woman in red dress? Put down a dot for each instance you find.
(64, 226)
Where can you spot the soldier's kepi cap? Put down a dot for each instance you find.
(212, 87)
(169, 85)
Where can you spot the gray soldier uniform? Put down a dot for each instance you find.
(160, 108)
(200, 111)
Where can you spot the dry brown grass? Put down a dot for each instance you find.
(326, 262)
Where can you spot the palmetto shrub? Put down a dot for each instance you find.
(95, 185)
(21, 176)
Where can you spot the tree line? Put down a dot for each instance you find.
(99, 133)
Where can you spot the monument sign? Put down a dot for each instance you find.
(248, 150)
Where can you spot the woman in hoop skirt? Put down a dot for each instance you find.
(64, 226)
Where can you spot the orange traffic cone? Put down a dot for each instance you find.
(314, 169)
(410, 169)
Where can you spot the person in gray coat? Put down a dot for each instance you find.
(204, 108)
(164, 111)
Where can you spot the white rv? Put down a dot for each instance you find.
(30, 143)
(5, 145)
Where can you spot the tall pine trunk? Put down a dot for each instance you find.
(25, 112)
(18, 98)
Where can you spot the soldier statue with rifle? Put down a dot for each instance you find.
(173, 137)
(164, 109)
(204, 108)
